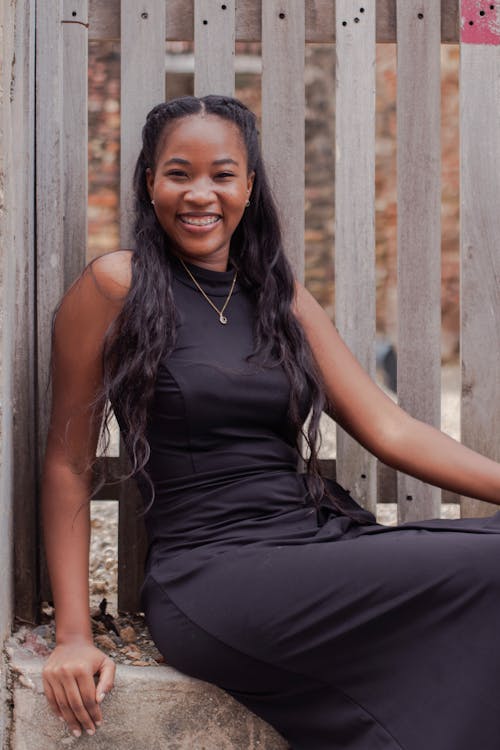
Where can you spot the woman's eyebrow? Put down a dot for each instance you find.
(179, 160)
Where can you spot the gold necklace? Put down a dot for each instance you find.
(220, 312)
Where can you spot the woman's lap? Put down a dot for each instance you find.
(401, 625)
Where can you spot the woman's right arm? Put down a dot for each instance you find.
(86, 311)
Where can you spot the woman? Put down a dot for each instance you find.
(274, 585)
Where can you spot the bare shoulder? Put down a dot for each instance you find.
(112, 273)
(96, 297)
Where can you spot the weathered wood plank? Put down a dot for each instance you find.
(62, 184)
(319, 16)
(142, 86)
(49, 191)
(75, 133)
(355, 219)
(480, 257)
(283, 127)
(132, 542)
(18, 529)
(214, 47)
(419, 234)
(50, 207)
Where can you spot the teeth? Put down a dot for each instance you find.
(201, 222)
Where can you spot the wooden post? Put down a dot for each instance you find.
(61, 184)
(142, 86)
(355, 219)
(283, 30)
(480, 236)
(214, 47)
(18, 556)
(419, 234)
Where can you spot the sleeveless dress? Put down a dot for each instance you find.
(338, 631)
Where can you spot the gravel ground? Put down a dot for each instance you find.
(125, 636)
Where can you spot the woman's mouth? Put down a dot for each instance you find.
(199, 221)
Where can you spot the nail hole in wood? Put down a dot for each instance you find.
(223, 7)
(74, 13)
(144, 15)
(344, 23)
(281, 15)
(356, 20)
(492, 7)
(363, 476)
(420, 16)
(409, 497)
(361, 10)
(205, 22)
(471, 23)
(482, 12)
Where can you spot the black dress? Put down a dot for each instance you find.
(338, 631)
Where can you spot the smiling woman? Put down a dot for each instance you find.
(275, 585)
(200, 187)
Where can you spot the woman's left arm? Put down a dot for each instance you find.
(361, 408)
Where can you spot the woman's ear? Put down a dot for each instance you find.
(250, 180)
(150, 181)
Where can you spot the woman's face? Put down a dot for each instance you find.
(200, 186)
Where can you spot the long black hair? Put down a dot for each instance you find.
(144, 331)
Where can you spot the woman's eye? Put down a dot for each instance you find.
(176, 173)
(224, 174)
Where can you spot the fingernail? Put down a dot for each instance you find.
(98, 723)
(101, 696)
(60, 718)
(76, 732)
(90, 731)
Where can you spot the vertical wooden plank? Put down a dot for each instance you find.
(480, 233)
(49, 212)
(65, 130)
(214, 25)
(283, 35)
(75, 135)
(142, 86)
(419, 233)
(49, 192)
(23, 396)
(355, 218)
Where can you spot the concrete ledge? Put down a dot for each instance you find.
(149, 708)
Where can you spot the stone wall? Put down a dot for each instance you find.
(320, 170)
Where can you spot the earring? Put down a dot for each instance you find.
(247, 204)
(153, 202)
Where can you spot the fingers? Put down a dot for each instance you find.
(106, 679)
(71, 691)
(72, 709)
(87, 692)
(51, 698)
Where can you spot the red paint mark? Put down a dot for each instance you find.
(480, 22)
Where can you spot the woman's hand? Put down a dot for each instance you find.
(68, 682)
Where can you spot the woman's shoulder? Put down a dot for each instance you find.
(97, 295)
(112, 273)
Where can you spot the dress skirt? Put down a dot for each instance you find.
(379, 637)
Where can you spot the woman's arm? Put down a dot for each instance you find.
(374, 420)
(86, 311)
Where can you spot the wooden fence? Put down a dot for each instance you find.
(63, 28)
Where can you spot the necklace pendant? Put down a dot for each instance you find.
(223, 319)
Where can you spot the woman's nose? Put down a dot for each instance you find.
(200, 191)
